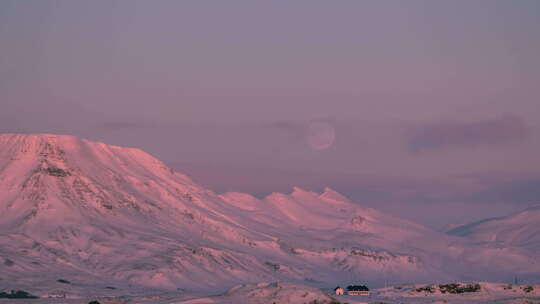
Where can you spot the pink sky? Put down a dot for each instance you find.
(434, 105)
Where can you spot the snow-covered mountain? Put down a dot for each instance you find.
(109, 219)
(520, 230)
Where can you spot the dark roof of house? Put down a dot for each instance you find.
(336, 288)
(357, 288)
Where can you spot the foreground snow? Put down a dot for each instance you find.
(487, 293)
(292, 293)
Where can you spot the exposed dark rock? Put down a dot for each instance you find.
(56, 172)
(274, 266)
(8, 262)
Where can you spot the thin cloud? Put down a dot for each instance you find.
(126, 125)
(438, 136)
(521, 191)
(294, 130)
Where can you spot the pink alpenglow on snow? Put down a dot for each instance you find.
(90, 213)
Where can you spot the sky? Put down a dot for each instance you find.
(428, 110)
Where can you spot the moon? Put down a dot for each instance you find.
(320, 135)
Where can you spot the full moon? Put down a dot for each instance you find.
(320, 135)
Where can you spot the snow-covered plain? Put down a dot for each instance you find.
(294, 293)
(83, 219)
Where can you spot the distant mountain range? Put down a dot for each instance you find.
(521, 230)
(78, 216)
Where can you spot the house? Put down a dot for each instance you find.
(339, 291)
(357, 290)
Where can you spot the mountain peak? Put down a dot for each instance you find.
(331, 194)
(53, 172)
(299, 191)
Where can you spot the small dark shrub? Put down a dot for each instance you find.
(63, 281)
(455, 288)
(17, 294)
(110, 287)
(528, 289)
(427, 288)
(471, 288)
(94, 302)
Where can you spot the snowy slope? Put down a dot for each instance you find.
(487, 292)
(116, 220)
(521, 230)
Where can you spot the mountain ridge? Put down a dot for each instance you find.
(89, 212)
